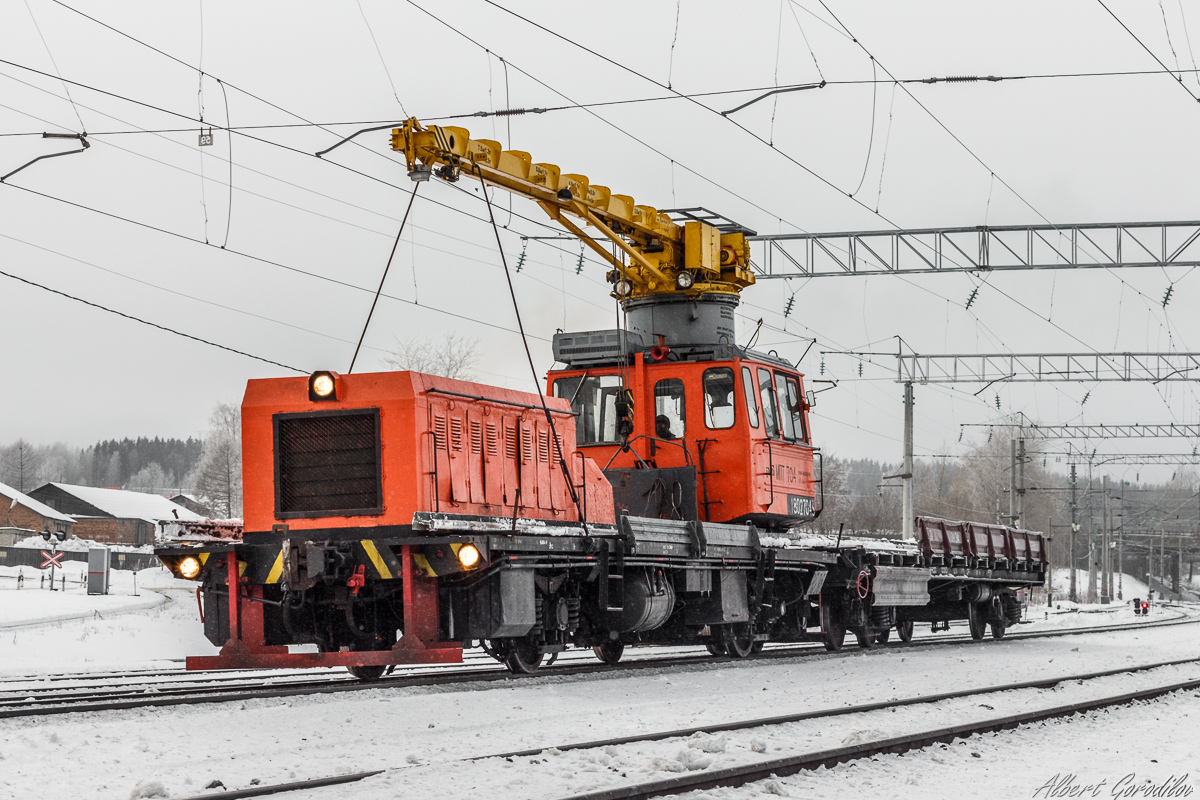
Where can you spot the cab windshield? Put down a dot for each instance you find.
(594, 403)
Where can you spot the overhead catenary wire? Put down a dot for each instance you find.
(66, 89)
(383, 278)
(174, 331)
(881, 174)
(382, 60)
(311, 211)
(508, 112)
(557, 448)
(1153, 55)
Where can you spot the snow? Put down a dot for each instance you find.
(43, 631)
(77, 545)
(129, 505)
(1144, 750)
(418, 734)
(20, 498)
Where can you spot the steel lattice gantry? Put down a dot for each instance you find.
(1134, 431)
(1132, 459)
(1043, 367)
(982, 248)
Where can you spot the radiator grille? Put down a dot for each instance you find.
(327, 463)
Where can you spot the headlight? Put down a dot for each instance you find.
(322, 386)
(468, 555)
(189, 567)
(684, 280)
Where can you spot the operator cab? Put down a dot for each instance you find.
(717, 434)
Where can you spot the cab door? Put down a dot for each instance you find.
(782, 461)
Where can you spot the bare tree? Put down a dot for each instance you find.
(454, 356)
(21, 462)
(219, 478)
(151, 478)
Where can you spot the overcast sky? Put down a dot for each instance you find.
(296, 245)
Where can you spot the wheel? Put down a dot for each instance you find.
(609, 652)
(999, 629)
(739, 640)
(865, 637)
(834, 630)
(372, 673)
(523, 658)
(715, 648)
(975, 621)
(904, 629)
(883, 636)
(757, 648)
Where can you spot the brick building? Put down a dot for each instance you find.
(113, 516)
(192, 504)
(21, 516)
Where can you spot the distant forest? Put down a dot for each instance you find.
(146, 464)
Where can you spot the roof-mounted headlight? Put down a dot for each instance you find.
(323, 385)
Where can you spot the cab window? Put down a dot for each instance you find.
(751, 393)
(770, 406)
(594, 403)
(786, 421)
(794, 408)
(669, 409)
(718, 398)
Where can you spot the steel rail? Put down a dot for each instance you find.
(790, 765)
(485, 673)
(1044, 683)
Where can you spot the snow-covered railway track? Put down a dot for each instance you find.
(747, 773)
(182, 688)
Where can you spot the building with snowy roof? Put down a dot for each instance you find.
(115, 516)
(192, 503)
(22, 516)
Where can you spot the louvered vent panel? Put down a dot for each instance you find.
(327, 464)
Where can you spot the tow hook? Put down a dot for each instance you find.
(358, 579)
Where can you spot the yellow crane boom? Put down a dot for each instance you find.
(665, 257)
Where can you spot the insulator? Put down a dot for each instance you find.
(788, 308)
(860, 369)
(989, 436)
(1085, 398)
(521, 258)
(822, 365)
(974, 294)
(997, 401)
(579, 266)
(960, 433)
(1167, 296)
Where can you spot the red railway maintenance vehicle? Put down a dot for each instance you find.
(648, 497)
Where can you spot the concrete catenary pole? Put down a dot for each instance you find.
(1105, 561)
(1073, 559)
(1019, 522)
(907, 471)
(1012, 482)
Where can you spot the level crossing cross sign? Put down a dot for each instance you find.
(52, 559)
